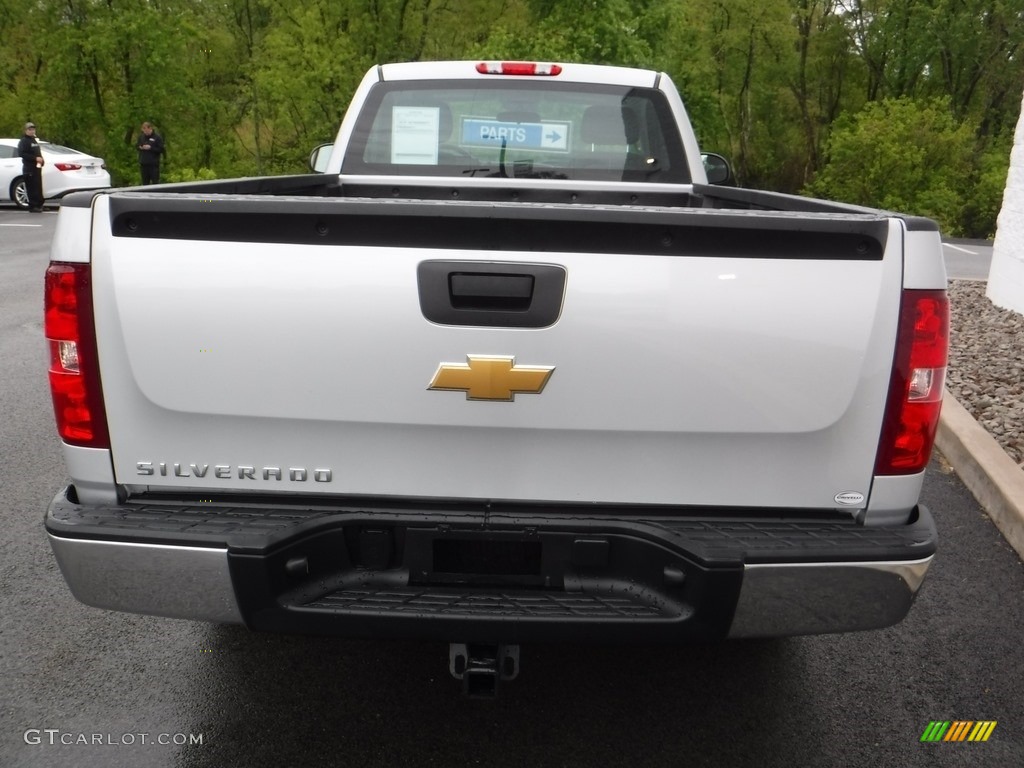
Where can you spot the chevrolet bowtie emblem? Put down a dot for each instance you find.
(491, 378)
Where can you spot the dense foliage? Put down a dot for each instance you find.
(909, 104)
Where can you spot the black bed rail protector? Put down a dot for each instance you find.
(495, 227)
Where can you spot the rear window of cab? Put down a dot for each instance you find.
(502, 129)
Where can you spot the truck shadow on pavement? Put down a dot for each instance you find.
(288, 700)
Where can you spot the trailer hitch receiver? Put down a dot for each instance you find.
(480, 666)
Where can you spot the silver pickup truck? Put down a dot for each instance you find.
(508, 370)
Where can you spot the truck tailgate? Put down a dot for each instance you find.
(697, 357)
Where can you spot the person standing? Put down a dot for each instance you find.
(150, 147)
(32, 167)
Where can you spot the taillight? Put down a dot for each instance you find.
(67, 166)
(74, 368)
(918, 379)
(518, 68)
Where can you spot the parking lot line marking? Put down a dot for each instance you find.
(962, 250)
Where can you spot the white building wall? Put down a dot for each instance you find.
(1006, 275)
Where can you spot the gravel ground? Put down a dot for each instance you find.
(986, 364)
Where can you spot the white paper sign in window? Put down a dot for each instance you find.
(414, 135)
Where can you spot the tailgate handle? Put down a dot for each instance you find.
(494, 294)
(479, 290)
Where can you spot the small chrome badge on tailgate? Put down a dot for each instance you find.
(850, 498)
(490, 377)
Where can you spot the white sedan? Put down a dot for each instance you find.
(66, 170)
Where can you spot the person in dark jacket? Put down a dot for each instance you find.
(32, 167)
(150, 147)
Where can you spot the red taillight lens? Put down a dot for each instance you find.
(74, 370)
(518, 68)
(67, 166)
(918, 379)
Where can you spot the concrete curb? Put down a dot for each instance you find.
(985, 468)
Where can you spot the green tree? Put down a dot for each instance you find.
(313, 55)
(892, 39)
(247, 87)
(95, 69)
(739, 68)
(987, 185)
(902, 155)
(587, 31)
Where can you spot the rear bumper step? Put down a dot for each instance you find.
(486, 576)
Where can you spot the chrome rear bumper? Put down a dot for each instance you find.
(810, 599)
(152, 579)
(568, 575)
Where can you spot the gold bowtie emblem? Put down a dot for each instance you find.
(491, 378)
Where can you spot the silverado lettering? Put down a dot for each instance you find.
(733, 444)
(226, 471)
